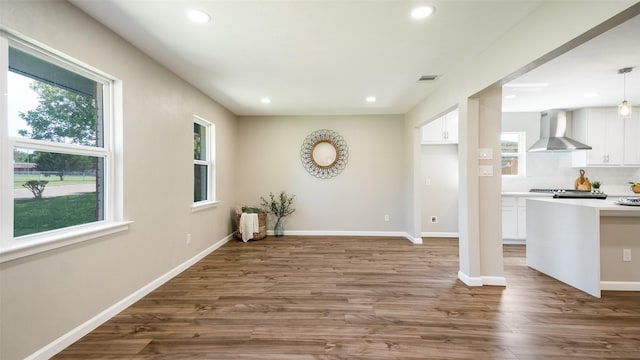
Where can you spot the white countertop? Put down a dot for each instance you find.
(526, 193)
(610, 196)
(593, 203)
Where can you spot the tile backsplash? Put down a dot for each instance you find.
(554, 170)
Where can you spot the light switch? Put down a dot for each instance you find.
(485, 153)
(485, 170)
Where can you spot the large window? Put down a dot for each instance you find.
(57, 152)
(203, 162)
(513, 153)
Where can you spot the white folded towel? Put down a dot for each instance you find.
(248, 225)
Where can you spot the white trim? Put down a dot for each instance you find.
(6, 151)
(482, 280)
(620, 285)
(111, 95)
(203, 205)
(514, 242)
(346, 233)
(440, 234)
(351, 233)
(209, 161)
(494, 280)
(414, 240)
(50, 240)
(74, 335)
(468, 280)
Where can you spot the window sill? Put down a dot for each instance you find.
(38, 244)
(204, 205)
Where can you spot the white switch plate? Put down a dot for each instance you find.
(485, 153)
(626, 254)
(485, 170)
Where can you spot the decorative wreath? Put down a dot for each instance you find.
(331, 167)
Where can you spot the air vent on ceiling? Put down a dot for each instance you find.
(428, 77)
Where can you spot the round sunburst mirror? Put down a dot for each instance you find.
(324, 153)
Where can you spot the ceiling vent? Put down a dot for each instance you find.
(428, 77)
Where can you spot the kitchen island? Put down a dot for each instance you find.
(581, 242)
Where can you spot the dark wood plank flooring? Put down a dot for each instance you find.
(362, 298)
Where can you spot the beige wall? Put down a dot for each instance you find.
(356, 200)
(616, 234)
(44, 296)
(439, 164)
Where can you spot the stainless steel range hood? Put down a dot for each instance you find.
(553, 129)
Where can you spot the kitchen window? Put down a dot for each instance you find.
(203, 163)
(513, 153)
(58, 172)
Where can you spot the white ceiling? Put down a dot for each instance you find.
(318, 57)
(574, 77)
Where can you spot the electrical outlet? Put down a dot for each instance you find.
(626, 254)
(434, 219)
(386, 217)
(188, 239)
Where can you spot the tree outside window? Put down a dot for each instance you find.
(57, 145)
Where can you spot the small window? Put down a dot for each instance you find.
(203, 161)
(513, 154)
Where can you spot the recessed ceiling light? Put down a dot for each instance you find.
(422, 12)
(265, 100)
(371, 99)
(510, 96)
(198, 16)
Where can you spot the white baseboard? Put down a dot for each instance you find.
(468, 280)
(494, 280)
(341, 233)
(352, 233)
(74, 335)
(440, 234)
(514, 241)
(482, 280)
(620, 285)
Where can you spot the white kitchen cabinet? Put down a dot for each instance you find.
(611, 137)
(514, 218)
(443, 130)
(632, 139)
(509, 218)
(522, 218)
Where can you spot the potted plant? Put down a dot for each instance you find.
(596, 184)
(280, 207)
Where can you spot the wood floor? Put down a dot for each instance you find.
(362, 298)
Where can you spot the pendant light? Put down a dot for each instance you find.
(624, 109)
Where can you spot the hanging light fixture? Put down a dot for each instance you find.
(624, 109)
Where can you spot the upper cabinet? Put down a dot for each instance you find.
(443, 130)
(614, 140)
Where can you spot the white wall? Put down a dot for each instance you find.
(46, 295)
(355, 201)
(554, 169)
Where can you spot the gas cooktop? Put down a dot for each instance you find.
(573, 194)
